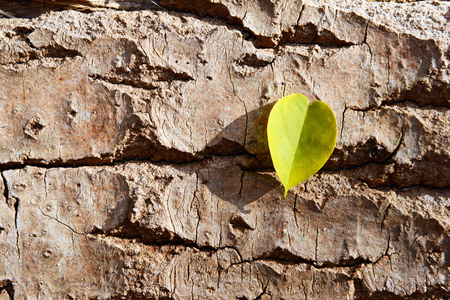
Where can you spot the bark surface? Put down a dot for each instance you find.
(134, 158)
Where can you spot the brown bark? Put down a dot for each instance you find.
(135, 165)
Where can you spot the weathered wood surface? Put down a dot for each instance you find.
(134, 158)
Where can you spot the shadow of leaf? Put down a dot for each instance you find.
(253, 127)
(236, 186)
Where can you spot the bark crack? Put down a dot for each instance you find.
(300, 14)
(396, 105)
(304, 290)
(113, 163)
(5, 187)
(386, 252)
(342, 122)
(294, 210)
(364, 42)
(397, 147)
(264, 290)
(125, 82)
(316, 244)
(16, 224)
(198, 208)
(9, 200)
(351, 263)
(389, 71)
(62, 223)
(385, 215)
(242, 101)
(242, 185)
(221, 14)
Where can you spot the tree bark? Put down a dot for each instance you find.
(135, 165)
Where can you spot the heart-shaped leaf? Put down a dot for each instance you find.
(301, 138)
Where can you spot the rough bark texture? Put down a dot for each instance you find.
(135, 165)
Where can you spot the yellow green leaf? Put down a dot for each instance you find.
(301, 138)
